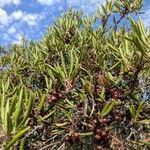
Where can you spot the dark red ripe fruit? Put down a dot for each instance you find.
(98, 137)
(67, 139)
(99, 148)
(98, 131)
(103, 134)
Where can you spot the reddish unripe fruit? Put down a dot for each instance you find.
(99, 148)
(94, 121)
(98, 137)
(109, 137)
(60, 96)
(76, 135)
(116, 111)
(117, 118)
(92, 128)
(103, 121)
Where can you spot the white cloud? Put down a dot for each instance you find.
(45, 2)
(16, 2)
(88, 6)
(17, 15)
(17, 39)
(11, 30)
(146, 18)
(30, 19)
(49, 2)
(4, 18)
(7, 2)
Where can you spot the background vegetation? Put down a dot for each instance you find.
(85, 85)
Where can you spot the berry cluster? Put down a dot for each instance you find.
(80, 106)
(114, 93)
(117, 114)
(68, 36)
(101, 133)
(73, 138)
(55, 96)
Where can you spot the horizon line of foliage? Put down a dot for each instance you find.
(80, 86)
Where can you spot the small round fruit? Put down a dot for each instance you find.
(103, 134)
(98, 131)
(94, 121)
(99, 148)
(92, 128)
(61, 96)
(109, 137)
(76, 135)
(67, 139)
(98, 137)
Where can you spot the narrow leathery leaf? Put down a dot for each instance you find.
(145, 143)
(63, 64)
(112, 47)
(146, 121)
(22, 144)
(86, 134)
(6, 120)
(18, 110)
(132, 111)
(53, 69)
(28, 111)
(42, 101)
(107, 108)
(49, 115)
(3, 108)
(61, 72)
(18, 136)
(61, 124)
(71, 63)
(139, 110)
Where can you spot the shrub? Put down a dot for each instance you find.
(85, 85)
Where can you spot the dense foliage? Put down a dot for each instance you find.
(85, 85)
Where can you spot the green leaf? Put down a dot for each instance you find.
(19, 135)
(132, 110)
(139, 110)
(107, 108)
(18, 111)
(28, 111)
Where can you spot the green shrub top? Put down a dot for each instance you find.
(85, 85)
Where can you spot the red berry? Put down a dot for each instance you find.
(67, 139)
(103, 134)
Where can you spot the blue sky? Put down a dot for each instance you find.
(32, 17)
